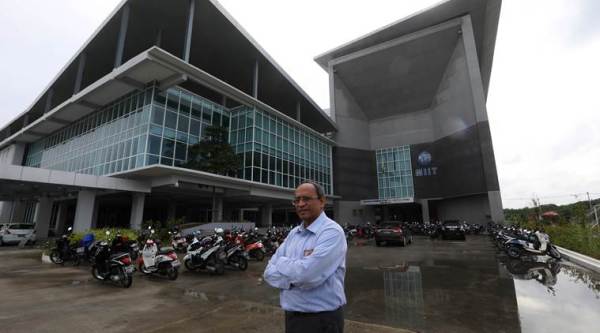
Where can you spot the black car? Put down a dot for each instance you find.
(452, 229)
(392, 233)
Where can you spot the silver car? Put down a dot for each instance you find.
(15, 233)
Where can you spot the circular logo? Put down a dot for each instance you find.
(424, 158)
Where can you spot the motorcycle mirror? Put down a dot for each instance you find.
(69, 228)
(152, 231)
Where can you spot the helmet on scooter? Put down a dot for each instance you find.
(219, 231)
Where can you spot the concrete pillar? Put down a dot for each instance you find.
(43, 213)
(255, 80)
(19, 209)
(425, 210)
(266, 215)
(227, 213)
(188, 32)
(122, 35)
(217, 210)
(496, 211)
(95, 215)
(298, 112)
(171, 210)
(6, 211)
(137, 210)
(61, 218)
(49, 97)
(84, 212)
(79, 77)
(13, 154)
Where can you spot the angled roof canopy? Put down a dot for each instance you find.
(219, 46)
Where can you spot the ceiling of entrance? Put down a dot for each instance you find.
(399, 79)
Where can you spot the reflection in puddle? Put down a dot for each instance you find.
(553, 296)
(403, 291)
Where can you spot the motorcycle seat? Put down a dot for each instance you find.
(165, 250)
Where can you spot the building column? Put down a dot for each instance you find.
(85, 211)
(217, 210)
(171, 210)
(255, 80)
(425, 210)
(495, 202)
(43, 213)
(122, 35)
(298, 112)
(18, 214)
(266, 216)
(137, 210)
(61, 218)
(79, 77)
(188, 32)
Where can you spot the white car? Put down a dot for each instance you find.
(14, 233)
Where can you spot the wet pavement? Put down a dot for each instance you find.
(429, 286)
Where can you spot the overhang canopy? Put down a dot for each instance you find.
(484, 15)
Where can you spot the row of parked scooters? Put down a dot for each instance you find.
(115, 258)
(517, 242)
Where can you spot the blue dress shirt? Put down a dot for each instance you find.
(309, 267)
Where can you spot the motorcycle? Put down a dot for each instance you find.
(537, 243)
(115, 267)
(178, 242)
(63, 252)
(253, 246)
(207, 254)
(163, 261)
(236, 256)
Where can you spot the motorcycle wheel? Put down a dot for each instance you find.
(513, 252)
(242, 263)
(553, 252)
(96, 274)
(259, 255)
(143, 269)
(75, 258)
(172, 274)
(55, 257)
(126, 279)
(188, 265)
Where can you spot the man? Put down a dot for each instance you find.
(309, 267)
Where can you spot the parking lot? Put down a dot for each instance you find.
(432, 286)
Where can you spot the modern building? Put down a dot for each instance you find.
(106, 143)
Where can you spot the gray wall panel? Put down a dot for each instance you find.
(354, 174)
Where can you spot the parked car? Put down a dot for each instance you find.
(392, 232)
(14, 233)
(452, 229)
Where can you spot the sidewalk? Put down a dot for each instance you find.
(580, 259)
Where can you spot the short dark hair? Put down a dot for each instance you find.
(318, 188)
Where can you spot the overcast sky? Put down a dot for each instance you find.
(543, 101)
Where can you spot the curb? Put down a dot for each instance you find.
(580, 259)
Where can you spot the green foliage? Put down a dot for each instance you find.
(100, 234)
(213, 153)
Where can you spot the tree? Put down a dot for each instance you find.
(214, 154)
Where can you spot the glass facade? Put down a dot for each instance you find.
(277, 152)
(158, 127)
(107, 141)
(394, 173)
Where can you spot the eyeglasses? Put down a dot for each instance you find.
(297, 200)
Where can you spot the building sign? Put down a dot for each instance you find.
(371, 202)
(425, 167)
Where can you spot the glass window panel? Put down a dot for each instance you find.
(180, 150)
(168, 148)
(172, 100)
(196, 110)
(154, 144)
(183, 123)
(158, 115)
(152, 159)
(194, 127)
(216, 119)
(206, 114)
(171, 120)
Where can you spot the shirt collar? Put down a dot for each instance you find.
(315, 226)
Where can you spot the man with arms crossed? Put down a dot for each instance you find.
(309, 267)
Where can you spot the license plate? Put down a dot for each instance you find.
(80, 250)
(176, 263)
(129, 269)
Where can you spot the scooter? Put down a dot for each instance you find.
(537, 243)
(163, 261)
(63, 252)
(178, 241)
(207, 254)
(236, 256)
(117, 268)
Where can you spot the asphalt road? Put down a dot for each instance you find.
(429, 286)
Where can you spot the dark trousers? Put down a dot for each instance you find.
(316, 322)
